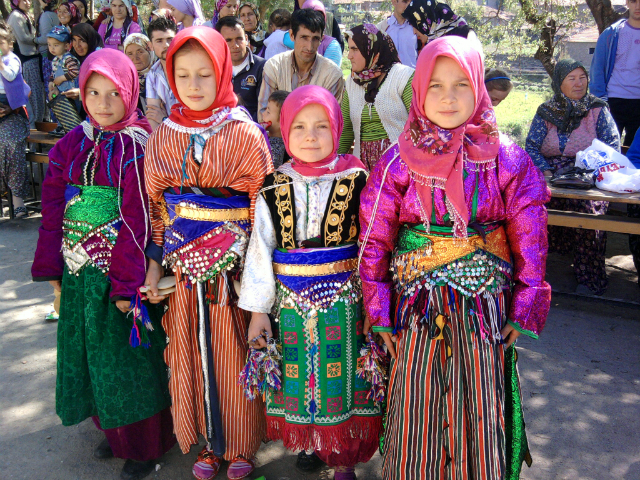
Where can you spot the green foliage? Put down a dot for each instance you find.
(516, 112)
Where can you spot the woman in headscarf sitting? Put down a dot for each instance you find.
(187, 13)
(137, 48)
(84, 41)
(250, 16)
(223, 8)
(377, 97)
(561, 128)
(431, 20)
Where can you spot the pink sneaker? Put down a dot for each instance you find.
(240, 467)
(207, 465)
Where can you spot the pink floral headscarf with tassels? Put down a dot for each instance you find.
(436, 156)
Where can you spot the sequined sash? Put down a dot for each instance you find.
(205, 235)
(315, 278)
(90, 226)
(471, 267)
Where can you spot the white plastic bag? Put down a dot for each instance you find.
(614, 171)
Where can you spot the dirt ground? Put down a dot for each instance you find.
(580, 380)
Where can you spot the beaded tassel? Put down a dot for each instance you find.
(262, 371)
(140, 313)
(373, 366)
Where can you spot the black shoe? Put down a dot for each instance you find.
(308, 463)
(103, 450)
(133, 470)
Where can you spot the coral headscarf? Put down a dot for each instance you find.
(436, 156)
(296, 101)
(117, 67)
(216, 47)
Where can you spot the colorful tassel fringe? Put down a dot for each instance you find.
(263, 370)
(373, 366)
(140, 315)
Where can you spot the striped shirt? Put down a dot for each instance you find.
(236, 157)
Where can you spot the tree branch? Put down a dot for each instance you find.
(545, 50)
(603, 13)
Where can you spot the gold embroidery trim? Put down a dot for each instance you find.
(213, 215)
(285, 210)
(342, 195)
(448, 249)
(315, 270)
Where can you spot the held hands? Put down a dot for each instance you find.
(388, 339)
(155, 113)
(259, 330)
(73, 93)
(154, 273)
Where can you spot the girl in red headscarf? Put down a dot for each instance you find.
(302, 259)
(95, 226)
(205, 165)
(454, 247)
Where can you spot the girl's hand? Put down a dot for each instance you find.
(259, 327)
(123, 305)
(509, 333)
(154, 273)
(56, 284)
(388, 339)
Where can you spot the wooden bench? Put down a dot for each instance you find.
(590, 221)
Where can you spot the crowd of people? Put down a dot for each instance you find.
(222, 200)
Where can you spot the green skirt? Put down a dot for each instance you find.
(99, 373)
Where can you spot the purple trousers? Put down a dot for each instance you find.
(145, 440)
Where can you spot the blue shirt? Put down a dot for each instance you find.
(634, 151)
(405, 41)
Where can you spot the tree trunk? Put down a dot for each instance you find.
(3, 10)
(545, 51)
(603, 13)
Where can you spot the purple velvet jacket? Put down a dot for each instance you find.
(66, 159)
(513, 193)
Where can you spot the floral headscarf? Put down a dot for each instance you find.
(372, 43)
(76, 16)
(436, 156)
(431, 18)
(561, 111)
(142, 41)
(216, 13)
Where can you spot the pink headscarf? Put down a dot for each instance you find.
(436, 156)
(117, 67)
(296, 101)
(316, 5)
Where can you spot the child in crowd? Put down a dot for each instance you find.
(14, 124)
(204, 167)
(279, 25)
(64, 76)
(498, 85)
(302, 258)
(457, 213)
(271, 122)
(95, 225)
(14, 91)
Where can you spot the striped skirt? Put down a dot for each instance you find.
(446, 403)
(243, 421)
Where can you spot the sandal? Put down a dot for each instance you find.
(20, 212)
(240, 468)
(207, 465)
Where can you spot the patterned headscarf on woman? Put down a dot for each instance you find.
(379, 53)
(561, 111)
(431, 18)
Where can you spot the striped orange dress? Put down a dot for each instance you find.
(236, 157)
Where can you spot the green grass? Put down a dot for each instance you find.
(516, 112)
